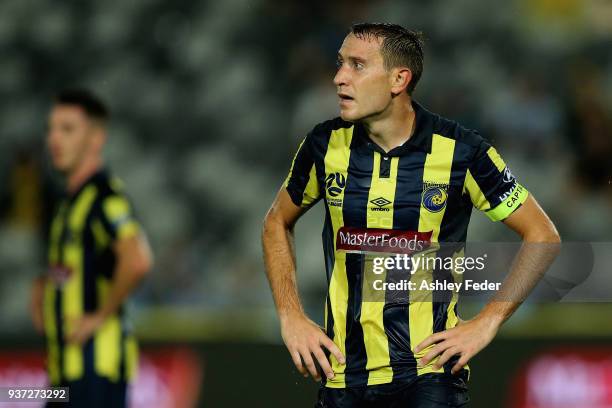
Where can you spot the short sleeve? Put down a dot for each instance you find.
(491, 185)
(301, 182)
(118, 217)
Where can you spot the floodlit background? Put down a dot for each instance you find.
(210, 100)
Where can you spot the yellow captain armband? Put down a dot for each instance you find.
(510, 202)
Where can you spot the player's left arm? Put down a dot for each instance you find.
(541, 244)
(133, 261)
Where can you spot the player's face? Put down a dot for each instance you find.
(362, 82)
(69, 136)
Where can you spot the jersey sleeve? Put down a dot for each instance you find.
(118, 218)
(491, 185)
(302, 183)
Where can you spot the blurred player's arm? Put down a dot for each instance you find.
(303, 337)
(541, 244)
(134, 260)
(36, 302)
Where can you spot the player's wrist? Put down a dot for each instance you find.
(290, 315)
(491, 319)
(102, 314)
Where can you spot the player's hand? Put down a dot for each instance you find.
(84, 327)
(305, 341)
(465, 340)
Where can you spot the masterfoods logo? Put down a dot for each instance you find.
(352, 239)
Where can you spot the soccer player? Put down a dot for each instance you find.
(387, 167)
(97, 255)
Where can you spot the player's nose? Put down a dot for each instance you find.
(341, 77)
(53, 139)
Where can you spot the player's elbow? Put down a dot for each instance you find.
(553, 240)
(143, 267)
(272, 223)
(541, 230)
(141, 263)
(554, 237)
(548, 234)
(134, 256)
(546, 238)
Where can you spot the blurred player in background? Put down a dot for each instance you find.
(97, 255)
(389, 165)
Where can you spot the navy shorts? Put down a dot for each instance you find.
(427, 391)
(94, 392)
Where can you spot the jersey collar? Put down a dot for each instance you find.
(423, 130)
(93, 179)
(420, 140)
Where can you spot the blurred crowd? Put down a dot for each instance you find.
(210, 99)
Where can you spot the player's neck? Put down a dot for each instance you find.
(82, 173)
(394, 126)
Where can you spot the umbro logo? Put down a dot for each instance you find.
(380, 204)
(380, 201)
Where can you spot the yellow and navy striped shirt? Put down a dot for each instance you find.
(81, 266)
(426, 189)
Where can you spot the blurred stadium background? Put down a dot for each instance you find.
(210, 100)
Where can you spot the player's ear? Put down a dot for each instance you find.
(400, 80)
(99, 136)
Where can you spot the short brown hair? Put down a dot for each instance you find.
(93, 106)
(400, 47)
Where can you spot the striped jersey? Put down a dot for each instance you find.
(81, 266)
(382, 202)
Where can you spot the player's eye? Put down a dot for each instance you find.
(359, 66)
(338, 64)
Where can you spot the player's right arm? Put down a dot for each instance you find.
(36, 303)
(303, 337)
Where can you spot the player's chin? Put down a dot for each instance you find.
(57, 163)
(349, 115)
(61, 165)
